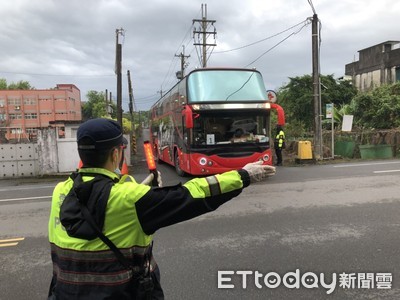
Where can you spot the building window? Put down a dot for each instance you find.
(2, 102)
(398, 74)
(32, 131)
(29, 116)
(14, 101)
(16, 130)
(29, 101)
(2, 117)
(15, 116)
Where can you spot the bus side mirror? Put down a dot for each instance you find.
(187, 112)
(280, 112)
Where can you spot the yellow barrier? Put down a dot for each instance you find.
(304, 150)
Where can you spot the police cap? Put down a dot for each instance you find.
(99, 134)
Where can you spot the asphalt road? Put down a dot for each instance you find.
(310, 223)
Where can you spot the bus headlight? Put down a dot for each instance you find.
(203, 161)
(266, 157)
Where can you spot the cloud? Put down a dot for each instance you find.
(74, 41)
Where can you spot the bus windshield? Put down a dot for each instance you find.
(225, 85)
(223, 127)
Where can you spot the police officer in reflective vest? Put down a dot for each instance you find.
(101, 224)
(279, 144)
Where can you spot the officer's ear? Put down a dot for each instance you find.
(114, 155)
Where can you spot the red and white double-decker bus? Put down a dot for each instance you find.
(214, 120)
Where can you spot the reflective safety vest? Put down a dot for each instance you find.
(88, 269)
(79, 263)
(279, 139)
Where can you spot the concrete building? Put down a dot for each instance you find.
(23, 112)
(377, 65)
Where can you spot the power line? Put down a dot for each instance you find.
(174, 58)
(147, 97)
(276, 45)
(262, 40)
(171, 66)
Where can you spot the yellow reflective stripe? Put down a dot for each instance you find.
(213, 183)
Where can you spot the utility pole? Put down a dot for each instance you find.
(118, 71)
(131, 108)
(316, 89)
(131, 101)
(204, 33)
(106, 100)
(183, 63)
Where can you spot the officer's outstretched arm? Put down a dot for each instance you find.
(162, 207)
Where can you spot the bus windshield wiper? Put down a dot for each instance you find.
(240, 87)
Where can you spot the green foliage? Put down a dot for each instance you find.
(95, 107)
(126, 125)
(295, 129)
(296, 97)
(20, 85)
(296, 100)
(379, 108)
(3, 84)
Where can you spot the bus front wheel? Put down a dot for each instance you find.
(178, 169)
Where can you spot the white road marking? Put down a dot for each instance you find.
(19, 188)
(367, 164)
(10, 242)
(23, 199)
(387, 171)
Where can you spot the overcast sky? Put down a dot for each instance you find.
(47, 42)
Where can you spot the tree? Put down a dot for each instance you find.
(297, 97)
(20, 85)
(95, 107)
(296, 100)
(3, 84)
(378, 108)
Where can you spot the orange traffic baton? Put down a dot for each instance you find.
(151, 164)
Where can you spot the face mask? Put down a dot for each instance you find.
(117, 170)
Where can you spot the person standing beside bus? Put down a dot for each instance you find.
(101, 225)
(279, 144)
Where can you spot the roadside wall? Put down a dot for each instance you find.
(50, 155)
(47, 151)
